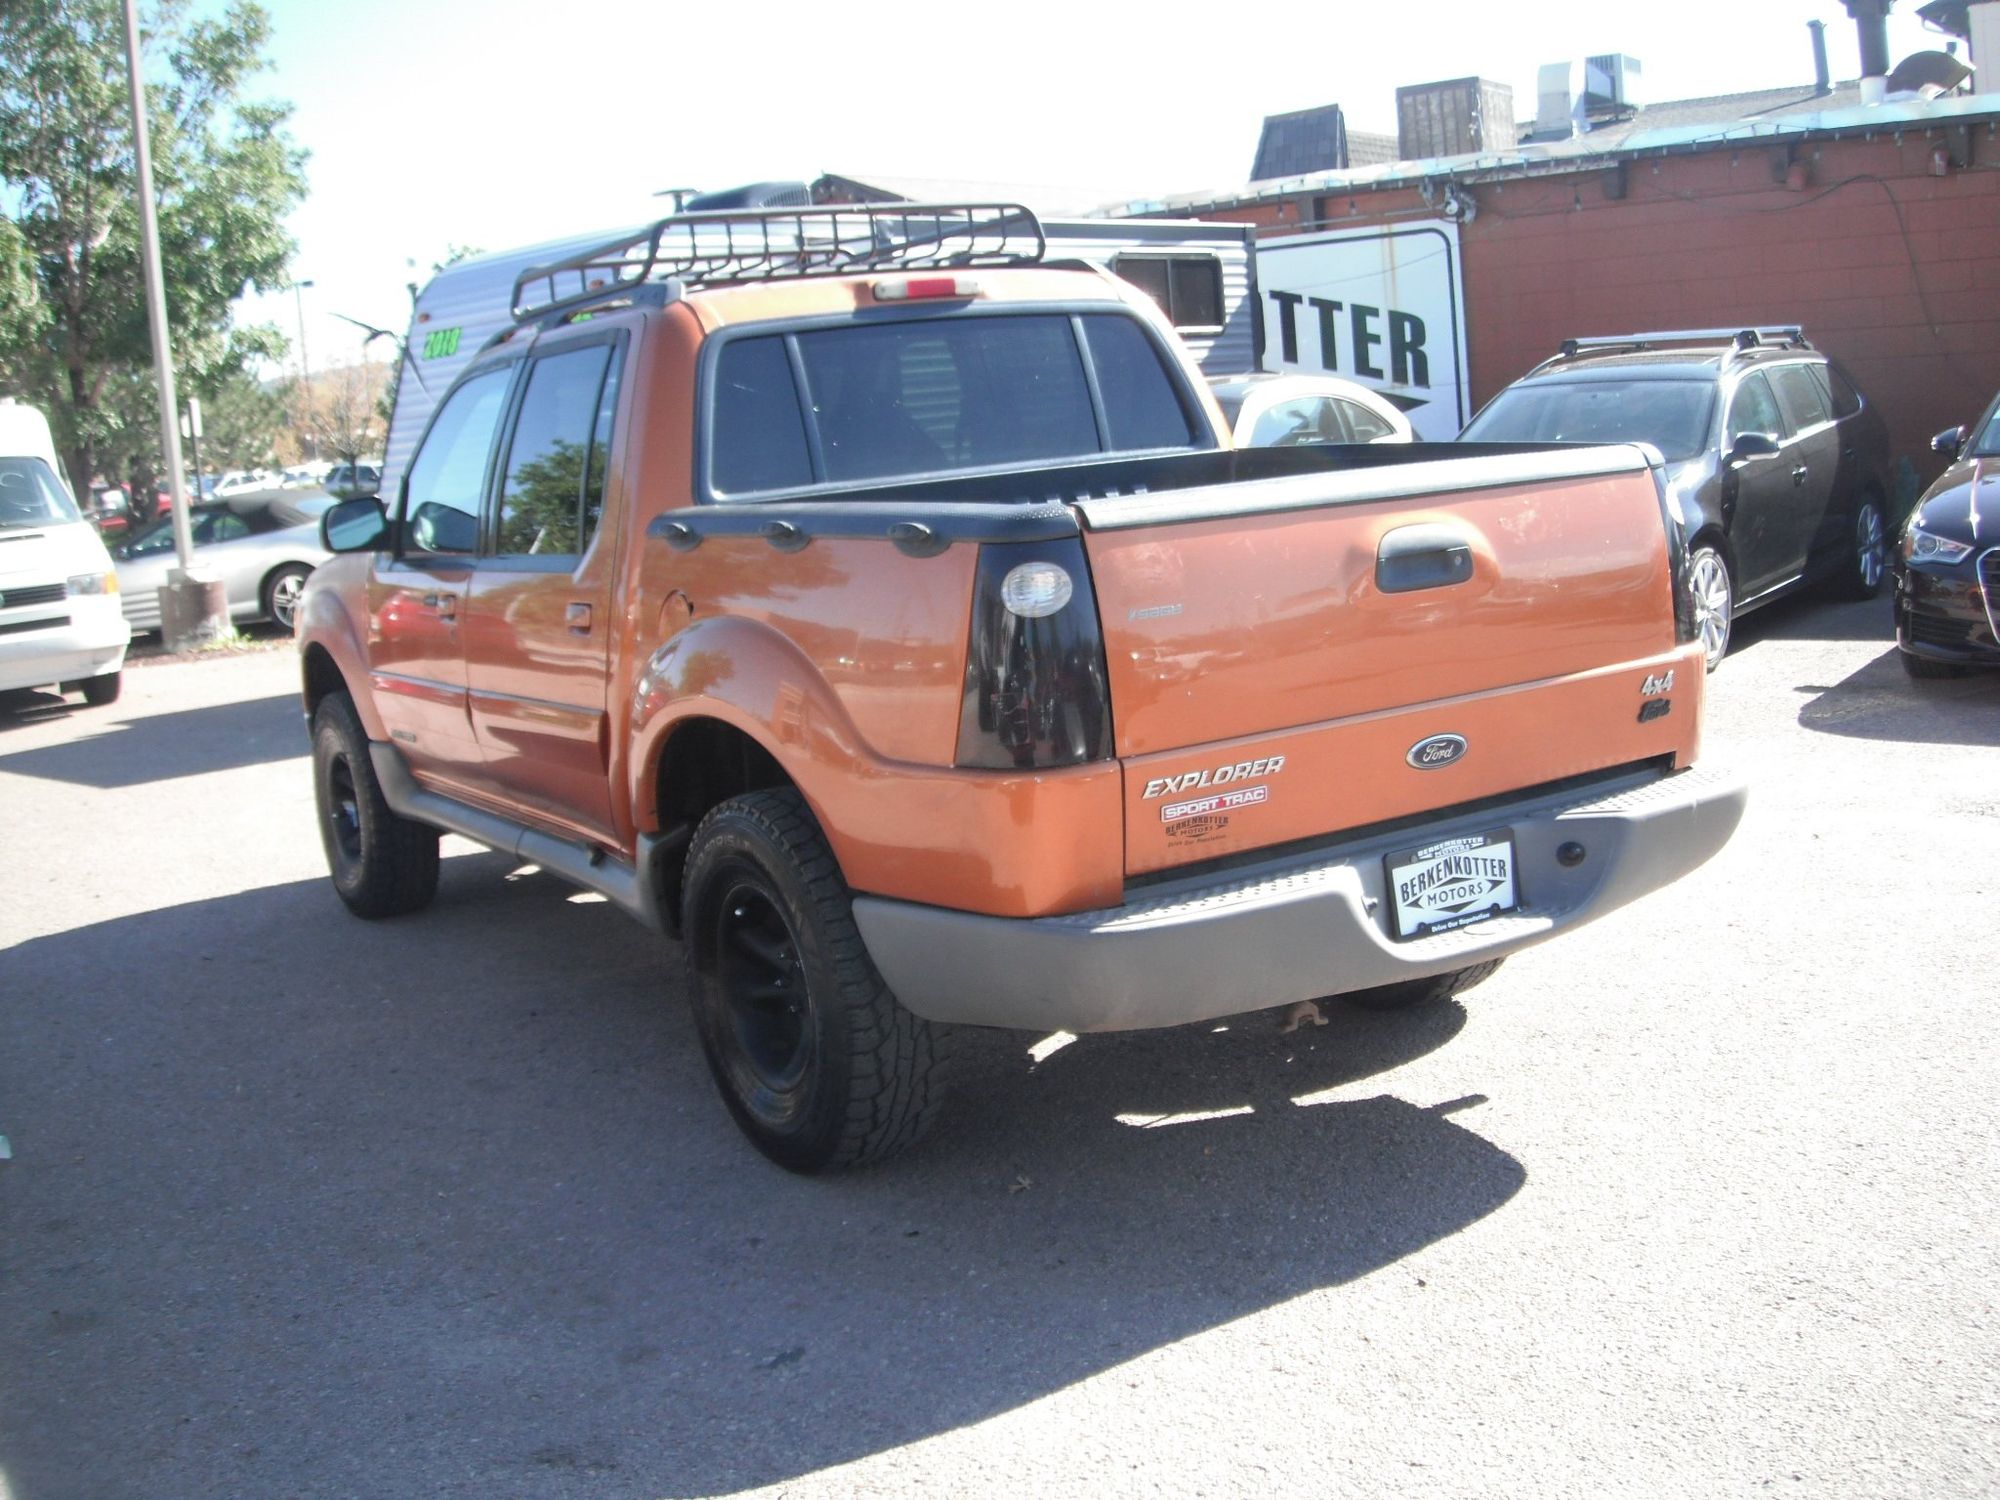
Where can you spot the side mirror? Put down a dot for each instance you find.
(1751, 446)
(354, 526)
(1949, 442)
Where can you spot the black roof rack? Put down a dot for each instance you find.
(735, 245)
(1788, 335)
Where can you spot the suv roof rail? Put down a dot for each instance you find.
(1788, 335)
(736, 245)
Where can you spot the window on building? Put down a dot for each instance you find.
(1187, 287)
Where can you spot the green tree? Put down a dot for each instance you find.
(73, 329)
(242, 423)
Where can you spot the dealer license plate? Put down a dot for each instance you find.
(1452, 884)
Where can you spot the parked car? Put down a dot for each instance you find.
(1947, 600)
(353, 481)
(263, 552)
(238, 482)
(1777, 463)
(59, 620)
(1289, 411)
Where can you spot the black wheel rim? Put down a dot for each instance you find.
(761, 1007)
(343, 809)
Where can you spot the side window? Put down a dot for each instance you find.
(228, 527)
(1800, 396)
(1753, 409)
(441, 513)
(1846, 399)
(1363, 423)
(1187, 287)
(760, 435)
(1295, 423)
(1140, 405)
(546, 501)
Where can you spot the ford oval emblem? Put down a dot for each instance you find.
(1438, 750)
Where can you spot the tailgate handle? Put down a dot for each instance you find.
(1430, 556)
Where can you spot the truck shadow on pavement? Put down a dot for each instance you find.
(1882, 702)
(135, 751)
(448, 1206)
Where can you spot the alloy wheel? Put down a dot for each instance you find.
(1708, 582)
(766, 1010)
(1871, 548)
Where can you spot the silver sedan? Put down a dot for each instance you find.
(263, 550)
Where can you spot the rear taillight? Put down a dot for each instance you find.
(1036, 693)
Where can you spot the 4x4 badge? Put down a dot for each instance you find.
(1438, 750)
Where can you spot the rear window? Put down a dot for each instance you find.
(928, 396)
(31, 495)
(1672, 415)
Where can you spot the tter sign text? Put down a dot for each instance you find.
(1383, 306)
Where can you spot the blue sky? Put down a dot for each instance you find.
(506, 122)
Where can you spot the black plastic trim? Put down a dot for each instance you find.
(920, 528)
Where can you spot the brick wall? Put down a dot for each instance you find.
(1893, 270)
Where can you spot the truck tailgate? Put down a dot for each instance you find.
(1278, 651)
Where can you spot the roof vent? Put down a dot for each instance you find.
(1453, 118)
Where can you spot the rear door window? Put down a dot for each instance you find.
(1363, 425)
(1800, 396)
(554, 456)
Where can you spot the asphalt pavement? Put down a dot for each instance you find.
(1699, 1200)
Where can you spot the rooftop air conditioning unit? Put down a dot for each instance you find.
(1610, 84)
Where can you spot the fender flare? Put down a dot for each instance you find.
(754, 678)
(326, 623)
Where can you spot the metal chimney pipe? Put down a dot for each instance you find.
(1822, 77)
(1871, 25)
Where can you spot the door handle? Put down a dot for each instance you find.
(1799, 474)
(1429, 556)
(577, 616)
(446, 605)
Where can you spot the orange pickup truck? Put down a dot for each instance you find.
(877, 608)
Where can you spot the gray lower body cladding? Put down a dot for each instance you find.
(1296, 928)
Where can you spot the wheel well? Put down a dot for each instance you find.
(1714, 536)
(321, 675)
(705, 762)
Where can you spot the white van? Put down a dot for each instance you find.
(59, 615)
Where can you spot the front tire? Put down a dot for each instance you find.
(382, 865)
(1714, 603)
(102, 691)
(818, 1062)
(1867, 561)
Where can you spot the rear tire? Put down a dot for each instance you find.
(1867, 561)
(1714, 602)
(820, 1065)
(1415, 992)
(102, 691)
(382, 865)
(280, 598)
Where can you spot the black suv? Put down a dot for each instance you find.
(1778, 464)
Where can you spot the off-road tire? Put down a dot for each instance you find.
(1928, 668)
(382, 865)
(1866, 561)
(820, 1065)
(102, 690)
(1413, 992)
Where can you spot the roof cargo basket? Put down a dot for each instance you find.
(707, 249)
(1788, 335)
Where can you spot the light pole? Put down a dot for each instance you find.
(305, 369)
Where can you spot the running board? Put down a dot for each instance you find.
(636, 891)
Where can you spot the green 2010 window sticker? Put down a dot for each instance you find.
(441, 343)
